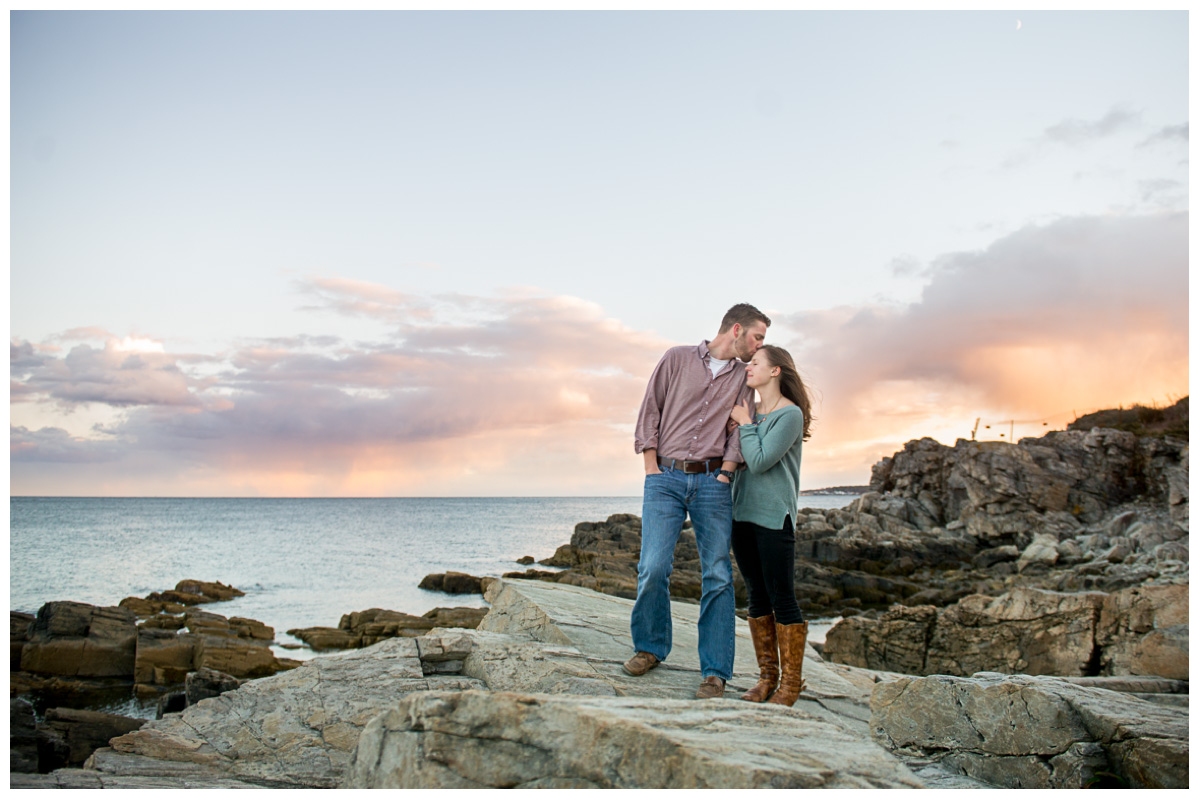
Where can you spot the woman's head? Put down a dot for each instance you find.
(773, 363)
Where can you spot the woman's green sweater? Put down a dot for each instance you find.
(768, 490)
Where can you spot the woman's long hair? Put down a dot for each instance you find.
(790, 384)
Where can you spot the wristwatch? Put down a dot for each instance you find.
(727, 474)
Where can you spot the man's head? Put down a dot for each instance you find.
(747, 326)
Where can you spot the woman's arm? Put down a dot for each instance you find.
(762, 451)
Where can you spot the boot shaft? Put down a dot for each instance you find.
(792, 639)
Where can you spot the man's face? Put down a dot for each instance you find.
(749, 339)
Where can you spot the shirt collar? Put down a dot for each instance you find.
(705, 354)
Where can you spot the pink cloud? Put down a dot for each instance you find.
(436, 401)
(361, 298)
(529, 394)
(1079, 314)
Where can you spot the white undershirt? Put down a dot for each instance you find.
(716, 364)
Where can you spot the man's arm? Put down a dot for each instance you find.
(733, 439)
(645, 435)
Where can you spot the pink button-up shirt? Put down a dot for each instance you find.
(685, 409)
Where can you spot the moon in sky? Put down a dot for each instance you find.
(1018, 24)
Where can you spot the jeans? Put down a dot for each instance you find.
(668, 498)
(767, 559)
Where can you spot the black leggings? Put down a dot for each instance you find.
(767, 559)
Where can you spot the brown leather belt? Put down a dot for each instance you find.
(711, 465)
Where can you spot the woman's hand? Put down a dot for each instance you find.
(741, 414)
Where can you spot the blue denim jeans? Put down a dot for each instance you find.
(669, 498)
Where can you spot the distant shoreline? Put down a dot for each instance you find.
(851, 491)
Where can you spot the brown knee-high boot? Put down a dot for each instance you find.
(791, 653)
(766, 649)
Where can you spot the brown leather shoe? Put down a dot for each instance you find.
(712, 686)
(640, 664)
(766, 649)
(791, 653)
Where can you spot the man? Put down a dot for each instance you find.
(690, 455)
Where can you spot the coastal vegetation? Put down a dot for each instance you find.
(1139, 420)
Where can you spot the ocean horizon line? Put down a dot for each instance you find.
(833, 491)
(319, 497)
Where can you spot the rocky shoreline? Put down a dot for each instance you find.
(1072, 511)
(72, 658)
(1054, 570)
(535, 698)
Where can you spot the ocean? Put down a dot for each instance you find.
(301, 562)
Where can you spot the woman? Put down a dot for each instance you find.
(765, 498)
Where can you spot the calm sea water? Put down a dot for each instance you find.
(301, 562)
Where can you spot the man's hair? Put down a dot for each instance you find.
(745, 315)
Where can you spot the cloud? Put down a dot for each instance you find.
(83, 334)
(1168, 134)
(124, 373)
(527, 394)
(1163, 193)
(361, 299)
(429, 403)
(1080, 313)
(1075, 132)
(56, 445)
(23, 356)
(904, 266)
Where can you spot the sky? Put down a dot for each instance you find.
(439, 253)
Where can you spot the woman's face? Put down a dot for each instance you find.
(758, 371)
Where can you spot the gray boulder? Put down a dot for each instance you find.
(294, 729)
(77, 733)
(1163, 651)
(205, 683)
(1142, 630)
(1022, 732)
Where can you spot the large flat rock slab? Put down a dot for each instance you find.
(597, 626)
(549, 648)
(508, 740)
(91, 779)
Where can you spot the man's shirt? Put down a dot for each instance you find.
(686, 407)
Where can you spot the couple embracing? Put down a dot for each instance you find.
(733, 466)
